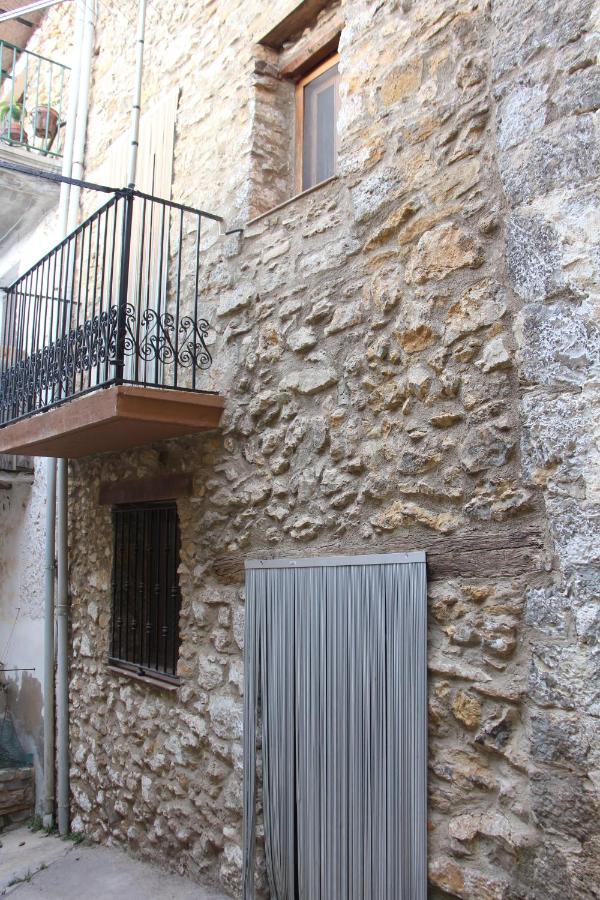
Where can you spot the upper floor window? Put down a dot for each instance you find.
(296, 97)
(317, 104)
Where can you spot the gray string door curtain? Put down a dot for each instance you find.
(336, 695)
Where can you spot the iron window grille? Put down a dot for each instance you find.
(145, 590)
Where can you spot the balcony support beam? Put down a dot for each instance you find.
(111, 419)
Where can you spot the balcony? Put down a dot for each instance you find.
(103, 343)
(32, 101)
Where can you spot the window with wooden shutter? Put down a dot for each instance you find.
(146, 597)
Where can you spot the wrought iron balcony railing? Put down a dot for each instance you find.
(32, 100)
(116, 302)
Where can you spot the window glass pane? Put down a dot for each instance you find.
(319, 150)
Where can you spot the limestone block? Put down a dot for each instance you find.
(235, 300)
(466, 709)
(442, 251)
(301, 340)
(402, 512)
(495, 355)
(402, 81)
(309, 381)
(533, 256)
(560, 738)
(461, 881)
(485, 448)
(503, 828)
(564, 803)
(521, 115)
(556, 346)
(564, 678)
(226, 717)
(555, 159)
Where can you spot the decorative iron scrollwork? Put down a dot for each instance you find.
(160, 338)
(51, 373)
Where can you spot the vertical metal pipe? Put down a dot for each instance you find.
(137, 95)
(50, 559)
(62, 655)
(50, 572)
(74, 91)
(84, 75)
(62, 605)
(128, 201)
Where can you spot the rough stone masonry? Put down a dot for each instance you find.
(410, 360)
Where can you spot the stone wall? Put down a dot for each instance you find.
(406, 355)
(16, 796)
(547, 88)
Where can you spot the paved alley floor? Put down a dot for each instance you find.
(34, 865)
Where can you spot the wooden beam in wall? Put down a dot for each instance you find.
(300, 16)
(302, 57)
(144, 490)
(473, 553)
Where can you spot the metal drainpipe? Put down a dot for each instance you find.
(50, 546)
(85, 75)
(62, 606)
(137, 96)
(49, 572)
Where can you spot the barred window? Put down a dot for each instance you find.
(146, 597)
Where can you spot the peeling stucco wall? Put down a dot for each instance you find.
(408, 356)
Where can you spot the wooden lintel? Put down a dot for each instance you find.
(301, 59)
(300, 16)
(468, 554)
(142, 490)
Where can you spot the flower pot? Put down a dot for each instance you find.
(11, 131)
(45, 122)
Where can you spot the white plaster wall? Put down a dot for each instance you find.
(22, 513)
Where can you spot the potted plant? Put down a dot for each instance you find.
(45, 122)
(11, 117)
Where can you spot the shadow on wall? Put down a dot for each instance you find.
(26, 705)
(24, 702)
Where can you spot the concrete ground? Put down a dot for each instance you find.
(34, 865)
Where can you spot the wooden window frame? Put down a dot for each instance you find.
(299, 130)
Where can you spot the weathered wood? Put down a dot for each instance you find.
(473, 553)
(11, 463)
(300, 16)
(142, 490)
(111, 419)
(300, 60)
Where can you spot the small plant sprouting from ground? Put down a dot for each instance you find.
(76, 836)
(25, 879)
(37, 824)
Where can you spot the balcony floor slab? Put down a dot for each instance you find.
(114, 418)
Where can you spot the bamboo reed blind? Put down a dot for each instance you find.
(336, 684)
